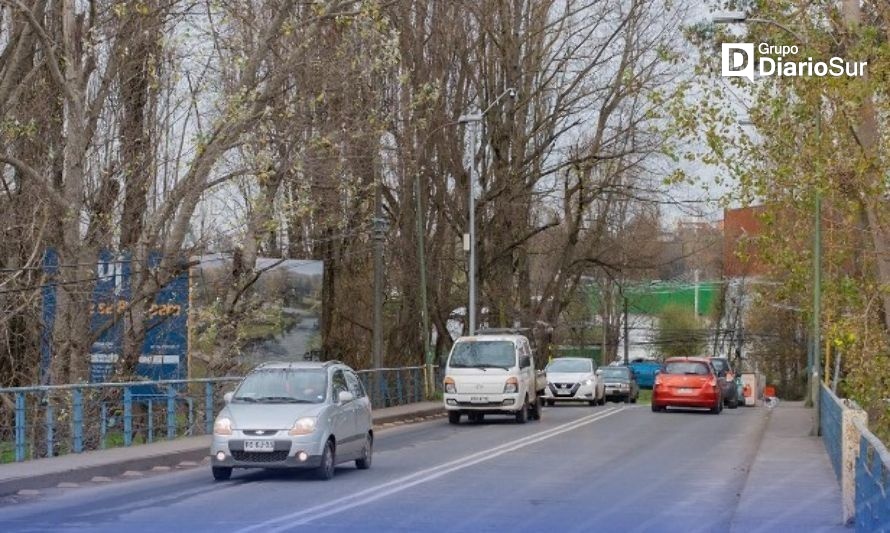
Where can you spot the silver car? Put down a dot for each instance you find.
(311, 415)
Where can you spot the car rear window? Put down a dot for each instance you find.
(687, 367)
(720, 364)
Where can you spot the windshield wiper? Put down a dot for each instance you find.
(250, 399)
(282, 399)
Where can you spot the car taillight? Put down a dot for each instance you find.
(449, 385)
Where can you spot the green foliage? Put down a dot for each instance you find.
(806, 137)
(679, 332)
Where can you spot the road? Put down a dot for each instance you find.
(612, 468)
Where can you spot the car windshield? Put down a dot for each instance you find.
(483, 354)
(570, 365)
(687, 367)
(283, 386)
(615, 372)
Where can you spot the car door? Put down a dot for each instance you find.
(526, 371)
(343, 420)
(361, 405)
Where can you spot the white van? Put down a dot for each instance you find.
(493, 374)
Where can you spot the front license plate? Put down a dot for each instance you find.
(684, 391)
(478, 399)
(259, 446)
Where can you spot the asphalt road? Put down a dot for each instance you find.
(613, 468)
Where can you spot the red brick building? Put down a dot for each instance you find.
(740, 227)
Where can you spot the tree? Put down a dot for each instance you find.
(815, 135)
(680, 333)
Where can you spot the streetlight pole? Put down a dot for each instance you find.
(470, 236)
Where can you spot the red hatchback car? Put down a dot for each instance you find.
(687, 382)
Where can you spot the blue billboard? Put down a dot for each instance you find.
(164, 352)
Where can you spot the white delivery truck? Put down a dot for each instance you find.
(493, 373)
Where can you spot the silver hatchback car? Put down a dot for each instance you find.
(294, 415)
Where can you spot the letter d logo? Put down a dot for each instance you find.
(738, 60)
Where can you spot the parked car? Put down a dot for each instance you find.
(619, 384)
(644, 371)
(294, 415)
(687, 382)
(493, 374)
(728, 380)
(574, 379)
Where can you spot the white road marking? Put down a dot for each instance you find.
(369, 495)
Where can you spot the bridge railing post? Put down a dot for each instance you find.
(128, 416)
(19, 426)
(171, 412)
(77, 419)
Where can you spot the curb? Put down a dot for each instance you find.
(83, 474)
(195, 453)
(409, 417)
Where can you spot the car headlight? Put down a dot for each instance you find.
(449, 385)
(303, 426)
(222, 426)
(625, 386)
(587, 382)
(511, 386)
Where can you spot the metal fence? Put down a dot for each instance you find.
(860, 460)
(831, 414)
(872, 483)
(46, 421)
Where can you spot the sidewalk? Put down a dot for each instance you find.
(75, 468)
(791, 485)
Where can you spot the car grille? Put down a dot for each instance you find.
(260, 432)
(260, 457)
(475, 404)
(564, 389)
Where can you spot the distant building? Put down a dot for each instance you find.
(741, 227)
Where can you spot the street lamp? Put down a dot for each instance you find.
(814, 376)
(470, 236)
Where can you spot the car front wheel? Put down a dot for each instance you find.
(222, 473)
(522, 414)
(454, 417)
(325, 470)
(364, 462)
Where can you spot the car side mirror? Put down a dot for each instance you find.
(599, 371)
(345, 396)
(227, 397)
(657, 372)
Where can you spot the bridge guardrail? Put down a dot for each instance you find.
(860, 460)
(51, 420)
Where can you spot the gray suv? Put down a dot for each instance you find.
(294, 415)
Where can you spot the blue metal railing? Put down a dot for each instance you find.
(388, 387)
(46, 421)
(58, 419)
(872, 483)
(831, 422)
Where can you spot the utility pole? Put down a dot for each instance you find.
(816, 384)
(470, 235)
(471, 231)
(626, 329)
(696, 292)
(378, 277)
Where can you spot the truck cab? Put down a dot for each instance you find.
(493, 374)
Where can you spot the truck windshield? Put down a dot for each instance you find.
(570, 365)
(483, 354)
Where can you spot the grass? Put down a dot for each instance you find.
(645, 397)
